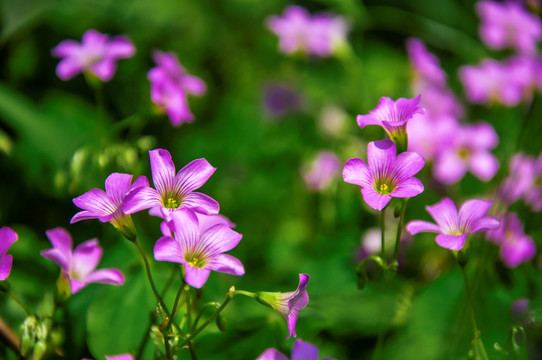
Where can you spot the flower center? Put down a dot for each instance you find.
(171, 203)
(384, 188)
(463, 153)
(196, 260)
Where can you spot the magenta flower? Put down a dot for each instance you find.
(509, 25)
(96, 54)
(288, 303)
(520, 179)
(170, 85)
(393, 116)
(198, 252)
(173, 191)
(469, 150)
(79, 265)
(7, 237)
(453, 227)
(120, 357)
(107, 206)
(516, 246)
(533, 196)
(322, 170)
(301, 351)
(205, 222)
(426, 64)
(387, 175)
(318, 35)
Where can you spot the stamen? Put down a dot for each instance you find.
(172, 203)
(383, 188)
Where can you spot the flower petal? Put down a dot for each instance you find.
(163, 171)
(141, 198)
(120, 47)
(484, 165)
(375, 200)
(304, 351)
(104, 69)
(445, 214)
(5, 266)
(68, 68)
(472, 211)
(117, 186)
(193, 175)
(184, 225)
(85, 259)
(61, 252)
(193, 85)
(66, 48)
(408, 188)
(357, 172)
(381, 158)
(449, 168)
(486, 223)
(196, 277)
(226, 264)
(218, 239)
(272, 354)
(7, 238)
(407, 164)
(167, 249)
(201, 203)
(452, 242)
(96, 202)
(106, 276)
(291, 318)
(417, 226)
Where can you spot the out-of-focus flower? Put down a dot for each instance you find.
(322, 170)
(519, 180)
(107, 206)
(79, 265)
(279, 100)
(453, 227)
(205, 222)
(170, 85)
(516, 246)
(301, 351)
(508, 25)
(393, 116)
(533, 196)
(198, 252)
(468, 151)
(173, 191)
(96, 54)
(288, 303)
(7, 237)
(425, 63)
(320, 35)
(387, 175)
(521, 311)
(332, 121)
(429, 136)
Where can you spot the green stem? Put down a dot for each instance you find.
(175, 305)
(200, 314)
(399, 232)
(18, 301)
(383, 233)
(188, 309)
(192, 350)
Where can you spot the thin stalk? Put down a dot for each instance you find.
(188, 310)
(200, 314)
(383, 232)
(18, 301)
(192, 350)
(477, 336)
(175, 305)
(149, 276)
(399, 231)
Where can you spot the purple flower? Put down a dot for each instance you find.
(520, 179)
(322, 170)
(425, 63)
(508, 25)
(170, 84)
(198, 252)
(288, 303)
(516, 246)
(301, 351)
(107, 206)
(173, 191)
(430, 136)
(453, 228)
(533, 196)
(205, 222)
(7, 237)
(393, 116)
(279, 100)
(387, 175)
(318, 35)
(96, 54)
(79, 265)
(120, 357)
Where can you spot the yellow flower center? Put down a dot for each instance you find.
(172, 203)
(383, 188)
(194, 261)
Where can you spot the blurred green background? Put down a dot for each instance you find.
(56, 143)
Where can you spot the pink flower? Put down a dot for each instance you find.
(7, 238)
(79, 265)
(170, 86)
(301, 351)
(96, 54)
(453, 227)
(322, 170)
(516, 246)
(387, 175)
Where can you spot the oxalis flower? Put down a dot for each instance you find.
(393, 116)
(7, 237)
(288, 303)
(387, 175)
(173, 191)
(301, 351)
(96, 54)
(79, 265)
(198, 252)
(107, 206)
(453, 227)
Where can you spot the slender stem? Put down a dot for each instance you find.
(18, 301)
(399, 231)
(175, 305)
(192, 350)
(383, 232)
(229, 296)
(477, 337)
(149, 276)
(200, 314)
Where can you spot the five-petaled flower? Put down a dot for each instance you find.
(301, 351)
(288, 303)
(198, 252)
(393, 116)
(173, 191)
(453, 227)
(7, 237)
(79, 265)
(96, 54)
(107, 206)
(170, 84)
(387, 175)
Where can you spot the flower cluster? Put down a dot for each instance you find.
(298, 31)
